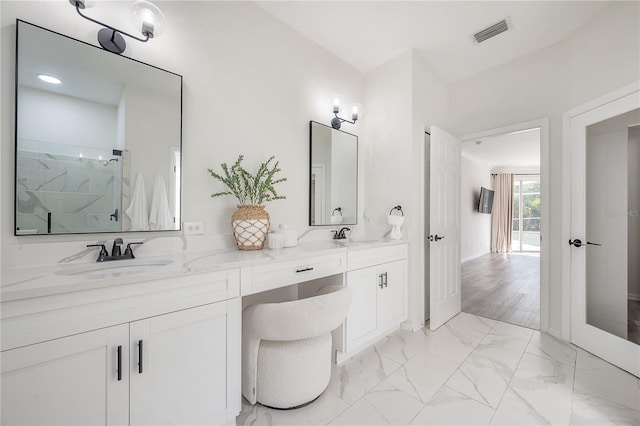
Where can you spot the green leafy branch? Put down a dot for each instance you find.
(247, 188)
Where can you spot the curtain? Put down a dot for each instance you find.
(501, 213)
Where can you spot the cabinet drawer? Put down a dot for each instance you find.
(255, 279)
(358, 259)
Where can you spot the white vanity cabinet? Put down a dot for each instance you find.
(377, 278)
(176, 361)
(68, 381)
(180, 365)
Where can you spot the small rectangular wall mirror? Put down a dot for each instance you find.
(91, 128)
(333, 176)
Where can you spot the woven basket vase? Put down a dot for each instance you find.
(250, 224)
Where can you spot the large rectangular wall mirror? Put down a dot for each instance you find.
(98, 139)
(333, 176)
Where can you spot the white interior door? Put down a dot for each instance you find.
(444, 228)
(603, 219)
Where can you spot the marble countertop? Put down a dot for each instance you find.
(38, 281)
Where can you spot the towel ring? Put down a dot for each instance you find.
(399, 208)
(337, 209)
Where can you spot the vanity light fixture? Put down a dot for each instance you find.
(147, 17)
(49, 79)
(338, 105)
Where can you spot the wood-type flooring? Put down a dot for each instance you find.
(504, 287)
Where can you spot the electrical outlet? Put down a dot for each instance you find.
(193, 228)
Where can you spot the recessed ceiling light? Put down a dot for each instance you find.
(49, 79)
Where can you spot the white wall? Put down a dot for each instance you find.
(152, 126)
(47, 117)
(634, 212)
(600, 57)
(251, 85)
(475, 227)
(404, 98)
(344, 154)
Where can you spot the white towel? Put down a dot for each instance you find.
(160, 217)
(137, 210)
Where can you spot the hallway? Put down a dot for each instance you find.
(504, 287)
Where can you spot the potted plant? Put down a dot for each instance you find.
(250, 222)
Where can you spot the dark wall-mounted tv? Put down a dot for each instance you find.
(485, 203)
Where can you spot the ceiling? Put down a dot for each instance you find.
(510, 150)
(366, 34)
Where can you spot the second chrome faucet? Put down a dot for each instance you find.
(340, 235)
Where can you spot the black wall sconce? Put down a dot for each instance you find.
(338, 105)
(146, 16)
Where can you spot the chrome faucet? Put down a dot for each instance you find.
(340, 235)
(116, 252)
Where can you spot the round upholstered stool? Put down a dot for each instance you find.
(287, 346)
(293, 373)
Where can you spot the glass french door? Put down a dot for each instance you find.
(605, 229)
(525, 232)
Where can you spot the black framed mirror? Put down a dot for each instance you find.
(333, 176)
(98, 139)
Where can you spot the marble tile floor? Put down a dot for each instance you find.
(471, 371)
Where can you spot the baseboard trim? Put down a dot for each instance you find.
(475, 256)
(555, 333)
(411, 326)
(633, 296)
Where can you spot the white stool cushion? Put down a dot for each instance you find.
(293, 373)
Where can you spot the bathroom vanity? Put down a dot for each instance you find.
(158, 341)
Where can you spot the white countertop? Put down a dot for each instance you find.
(28, 282)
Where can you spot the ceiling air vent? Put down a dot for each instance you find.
(492, 31)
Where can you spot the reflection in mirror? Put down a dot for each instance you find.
(333, 176)
(92, 128)
(613, 221)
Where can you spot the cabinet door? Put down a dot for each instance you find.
(361, 319)
(68, 381)
(181, 363)
(392, 299)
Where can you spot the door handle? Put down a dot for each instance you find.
(578, 243)
(436, 238)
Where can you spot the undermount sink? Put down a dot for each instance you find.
(115, 268)
(355, 242)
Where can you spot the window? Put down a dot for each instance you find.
(526, 214)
